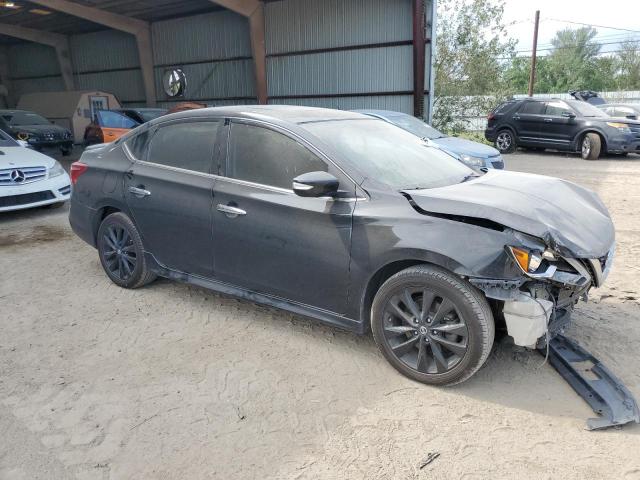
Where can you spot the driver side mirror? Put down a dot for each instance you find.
(568, 114)
(315, 184)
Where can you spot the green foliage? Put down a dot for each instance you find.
(471, 40)
(575, 63)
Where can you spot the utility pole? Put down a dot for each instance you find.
(532, 76)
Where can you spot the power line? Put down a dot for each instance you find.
(566, 47)
(591, 25)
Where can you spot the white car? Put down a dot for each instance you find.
(28, 178)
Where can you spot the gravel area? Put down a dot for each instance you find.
(172, 381)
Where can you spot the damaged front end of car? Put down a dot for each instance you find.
(537, 308)
(553, 242)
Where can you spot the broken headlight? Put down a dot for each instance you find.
(529, 261)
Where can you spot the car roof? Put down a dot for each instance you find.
(274, 113)
(632, 105)
(382, 113)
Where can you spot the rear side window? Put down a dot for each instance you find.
(188, 145)
(534, 108)
(110, 119)
(263, 156)
(138, 144)
(557, 108)
(503, 107)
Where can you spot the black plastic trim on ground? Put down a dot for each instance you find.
(601, 389)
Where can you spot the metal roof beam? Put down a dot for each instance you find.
(254, 11)
(55, 40)
(139, 28)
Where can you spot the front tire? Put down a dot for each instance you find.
(432, 326)
(590, 146)
(505, 141)
(121, 252)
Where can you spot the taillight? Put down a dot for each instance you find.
(491, 116)
(77, 169)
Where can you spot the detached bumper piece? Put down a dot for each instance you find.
(600, 388)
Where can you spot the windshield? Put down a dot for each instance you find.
(586, 109)
(390, 155)
(148, 115)
(16, 119)
(6, 140)
(415, 126)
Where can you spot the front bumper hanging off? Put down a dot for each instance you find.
(600, 388)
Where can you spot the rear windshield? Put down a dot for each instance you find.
(415, 126)
(388, 154)
(148, 115)
(16, 119)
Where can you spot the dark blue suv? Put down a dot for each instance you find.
(569, 125)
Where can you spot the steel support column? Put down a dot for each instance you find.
(254, 11)
(418, 57)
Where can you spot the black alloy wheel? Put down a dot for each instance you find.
(121, 252)
(425, 330)
(432, 325)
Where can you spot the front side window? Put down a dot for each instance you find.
(388, 154)
(109, 119)
(188, 145)
(557, 108)
(263, 156)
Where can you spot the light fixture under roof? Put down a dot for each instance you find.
(40, 11)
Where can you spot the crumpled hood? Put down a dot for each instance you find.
(462, 146)
(567, 217)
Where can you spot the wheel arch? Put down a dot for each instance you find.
(393, 266)
(102, 211)
(578, 138)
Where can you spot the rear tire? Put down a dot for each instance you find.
(432, 326)
(590, 146)
(505, 141)
(121, 252)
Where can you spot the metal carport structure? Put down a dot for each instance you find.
(334, 53)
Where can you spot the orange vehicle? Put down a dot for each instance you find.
(107, 126)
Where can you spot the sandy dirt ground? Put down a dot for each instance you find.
(175, 382)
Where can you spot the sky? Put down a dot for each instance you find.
(622, 14)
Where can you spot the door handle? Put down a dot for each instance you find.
(139, 191)
(548, 120)
(230, 211)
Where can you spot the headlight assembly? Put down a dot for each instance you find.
(622, 127)
(529, 261)
(56, 170)
(475, 162)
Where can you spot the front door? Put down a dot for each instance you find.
(269, 240)
(169, 191)
(559, 125)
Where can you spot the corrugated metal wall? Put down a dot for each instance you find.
(335, 53)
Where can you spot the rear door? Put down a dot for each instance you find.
(169, 191)
(529, 123)
(271, 241)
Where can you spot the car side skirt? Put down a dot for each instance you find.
(324, 316)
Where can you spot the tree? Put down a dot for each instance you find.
(471, 45)
(627, 65)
